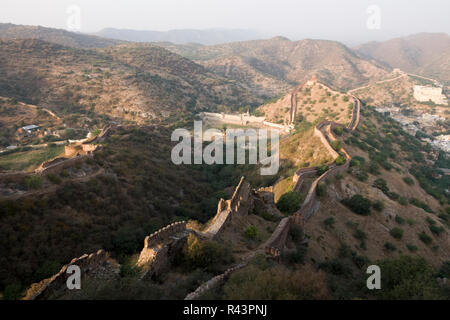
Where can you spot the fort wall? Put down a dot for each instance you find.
(153, 251)
(57, 284)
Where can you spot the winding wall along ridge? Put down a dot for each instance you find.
(276, 242)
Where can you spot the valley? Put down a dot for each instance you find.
(86, 169)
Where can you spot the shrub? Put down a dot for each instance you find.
(336, 145)
(381, 184)
(289, 202)
(403, 201)
(399, 219)
(251, 233)
(33, 182)
(53, 178)
(436, 230)
(425, 238)
(378, 205)
(338, 131)
(358, 204)
(397, 233)
(357, 161)
(361, 175)
(420, 204)
(389, 247)
(411, 247)
(329, 222)
(322, 169)
(444, 271)
(340, 160)
(408, 180)
(12, 292)
(407, 278)
(207, 254)
(276, 283)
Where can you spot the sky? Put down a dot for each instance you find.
(349, 21)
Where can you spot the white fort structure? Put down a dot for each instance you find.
(426, 93)
(243, 119)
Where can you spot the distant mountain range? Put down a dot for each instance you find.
(10, 31)
(182, 36)
(275, 64)
(424, 53)
(270, 67)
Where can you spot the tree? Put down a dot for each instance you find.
(289, 202)
(407, 278)
(358, 204)
(251, 233)
(397, 233)
(276, 283)
(381, 184)
(336, 145)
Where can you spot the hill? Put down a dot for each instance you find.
(136, 82)
(274, 65)
(10, 31)
(424, 53)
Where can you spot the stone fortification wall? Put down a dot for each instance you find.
(275, 243)
(310, 205)
(240, 203)
(154, 244)
(214, 282)
(57, 284)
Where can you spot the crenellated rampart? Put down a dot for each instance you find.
(57, 284)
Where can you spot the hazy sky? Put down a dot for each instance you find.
(344, 20)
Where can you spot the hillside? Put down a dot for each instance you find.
(131, 82)
(424, 53)
(10, 31)
(281, 62)
(387, 168)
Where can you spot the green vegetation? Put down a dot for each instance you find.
(378, 205)
(251, 233)
(436, 230)
(358, 204)
(389, 247)
(338, 131)
(408, 278)
(340, 160)
(420, 204)
(381, 184)
(33, 182)
(289, 202)
(336, 145)
(408, 180)
(206, 254)
(425, 238)
(28, 160)
(261, 280)
(399, 219)
(397, 233)
(329, 222)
